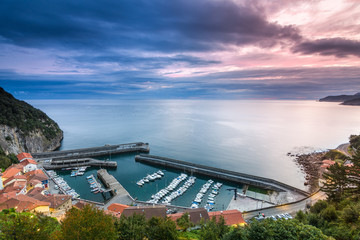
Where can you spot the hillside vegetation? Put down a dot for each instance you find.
(16, 113)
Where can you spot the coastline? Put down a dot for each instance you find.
(312, 164)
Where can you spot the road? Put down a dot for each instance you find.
(288, 208)
(344, 149)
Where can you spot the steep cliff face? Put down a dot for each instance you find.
(13, 140)
(24, 128)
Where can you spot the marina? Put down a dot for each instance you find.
(257, 181)
(183, 190)
(61, 184)
(150, 177)
(205, 195)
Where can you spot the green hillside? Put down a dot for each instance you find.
(16, 113)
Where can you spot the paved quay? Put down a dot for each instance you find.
(291, 208)
(120, 195)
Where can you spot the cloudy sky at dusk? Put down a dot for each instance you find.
(204, 49)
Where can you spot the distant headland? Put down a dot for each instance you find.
(353, 100)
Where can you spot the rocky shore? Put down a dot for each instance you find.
(310, 164)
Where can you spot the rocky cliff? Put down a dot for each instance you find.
(24, 128)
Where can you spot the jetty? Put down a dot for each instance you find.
(70, 163)
(236, 177)
(116, 189)
(105, 150)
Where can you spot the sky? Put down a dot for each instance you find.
(179, 49)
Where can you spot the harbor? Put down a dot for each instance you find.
(158, 180)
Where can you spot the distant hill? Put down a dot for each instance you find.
(344, 99)
(353, 102)
(25, 128)
(339, 98)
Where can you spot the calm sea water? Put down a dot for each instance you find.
(246, 136)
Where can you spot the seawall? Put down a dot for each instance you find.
(265, 183)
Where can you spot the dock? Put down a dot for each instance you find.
(117, 190)
(70, 163)
(236, 177)
(107, 150)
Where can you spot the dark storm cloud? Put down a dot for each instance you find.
(279, 83)
(338, 47)
(159, 25)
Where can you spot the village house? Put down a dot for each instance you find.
(11, 171)
(195, 215)
(28, 165)
(22, 156)
(24, 188)
(231, 217)
(148, 211)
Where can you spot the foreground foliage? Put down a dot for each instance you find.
(24, 226)
(88, 223)
(337, 219)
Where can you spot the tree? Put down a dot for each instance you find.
(336, 182)
(25, 225)
(184, 222)
(88, 223)
(213, 229)
(161, 229)
(236, 234)
(350, 214)
(283, 229)
(354, 172)
(131, 228)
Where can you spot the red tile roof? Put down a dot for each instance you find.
(35, 192)
(18, 205)
(80, 204)
(57, 200)
(231, 217)
(33, 172)
(22, 202)
(28, 161)
(15, 186)
(12, 171)
(117, 207)
(327, 161)
(23, 155)
(16, 177)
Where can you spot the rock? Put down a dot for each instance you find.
(13, 140)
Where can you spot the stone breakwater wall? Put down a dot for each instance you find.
(265, 183)
(94, 151)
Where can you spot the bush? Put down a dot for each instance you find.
(318, 206)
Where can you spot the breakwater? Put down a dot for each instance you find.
(117, 190)
(265, 183)
(106, 150)
(70, 163)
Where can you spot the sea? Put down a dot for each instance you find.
(252, 137)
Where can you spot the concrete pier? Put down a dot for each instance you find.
(231, 176)
(117, 190)
(69, 163)
(94, 151)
